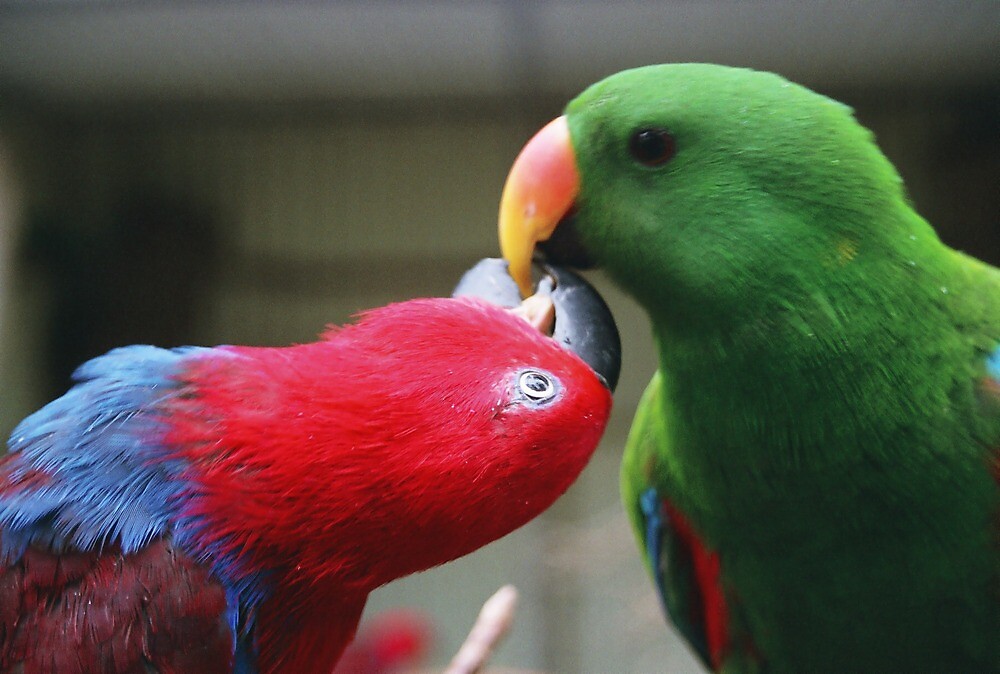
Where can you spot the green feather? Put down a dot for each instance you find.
(822, 414)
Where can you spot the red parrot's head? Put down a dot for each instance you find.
(483, 422)
(419, 433)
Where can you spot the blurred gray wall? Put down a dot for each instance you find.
(247, 173)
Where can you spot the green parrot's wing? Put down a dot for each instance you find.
(993, 386)
(993, 367)
(685, 572)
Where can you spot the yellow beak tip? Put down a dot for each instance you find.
(541, 187)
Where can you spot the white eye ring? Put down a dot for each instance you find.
(536, 386)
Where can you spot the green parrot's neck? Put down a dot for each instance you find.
(799, 395)
(816, 451)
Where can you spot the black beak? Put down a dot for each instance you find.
(564, 246)
(583, 324)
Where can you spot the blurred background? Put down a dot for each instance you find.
(247, 172)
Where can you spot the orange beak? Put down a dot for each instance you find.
(540, 189)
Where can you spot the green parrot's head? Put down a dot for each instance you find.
(696, 186)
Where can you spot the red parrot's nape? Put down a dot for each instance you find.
(267, 491)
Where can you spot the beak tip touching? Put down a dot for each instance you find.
(583, 323)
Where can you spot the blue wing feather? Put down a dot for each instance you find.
(80, 473)
(652, 515)
(89, 472)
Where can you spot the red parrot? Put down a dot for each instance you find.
(229, 509)
(397, 640)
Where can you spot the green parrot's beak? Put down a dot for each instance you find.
(542, 185)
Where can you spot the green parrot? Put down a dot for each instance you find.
(812, 473)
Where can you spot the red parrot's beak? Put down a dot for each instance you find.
(540, 189)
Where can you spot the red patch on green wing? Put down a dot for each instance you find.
(707, 571)
(991, 386)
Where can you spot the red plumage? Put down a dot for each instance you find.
(710, 611)
(83, 612)
(311, 474)
(397, 640)
(390, 446)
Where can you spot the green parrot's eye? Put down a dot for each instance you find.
(652, 147)
(536, 385)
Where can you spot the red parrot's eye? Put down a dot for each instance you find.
(536, 386)
(652, 147)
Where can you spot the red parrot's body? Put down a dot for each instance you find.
(230, 509)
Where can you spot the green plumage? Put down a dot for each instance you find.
(824, 414)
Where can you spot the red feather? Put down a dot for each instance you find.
(311, 475)
(707, 568)
(90, 613)
(392, 445)
(397, 640)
